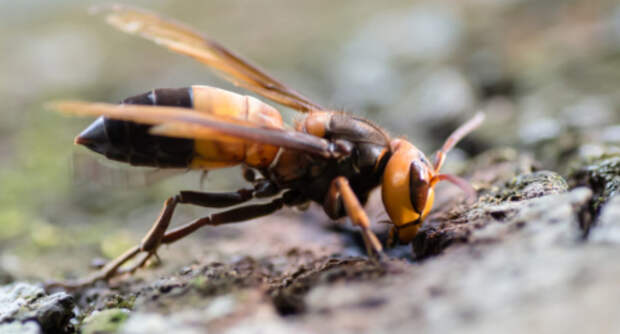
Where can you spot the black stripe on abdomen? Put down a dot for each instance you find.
(171, 97)
(139, 147)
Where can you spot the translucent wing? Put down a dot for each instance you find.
(185, 123)
(184, 40)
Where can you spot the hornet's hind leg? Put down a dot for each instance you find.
(157, 235)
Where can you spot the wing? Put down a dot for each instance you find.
(184, 123)
(182, 39)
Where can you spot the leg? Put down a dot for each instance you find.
(156, 234)
(151, 241)
(236, 215)
(153, 238)
(341, 190)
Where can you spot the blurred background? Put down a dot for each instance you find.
(547, 73)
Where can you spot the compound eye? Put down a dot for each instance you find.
(419, 184)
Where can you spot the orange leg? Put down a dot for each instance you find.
(341, 190)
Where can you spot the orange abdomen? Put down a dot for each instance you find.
(211, 154)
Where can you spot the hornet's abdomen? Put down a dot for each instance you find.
(215, 154)
(132, 143)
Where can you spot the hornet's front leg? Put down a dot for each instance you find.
(340, 192)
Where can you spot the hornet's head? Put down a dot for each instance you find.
(409, 181)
